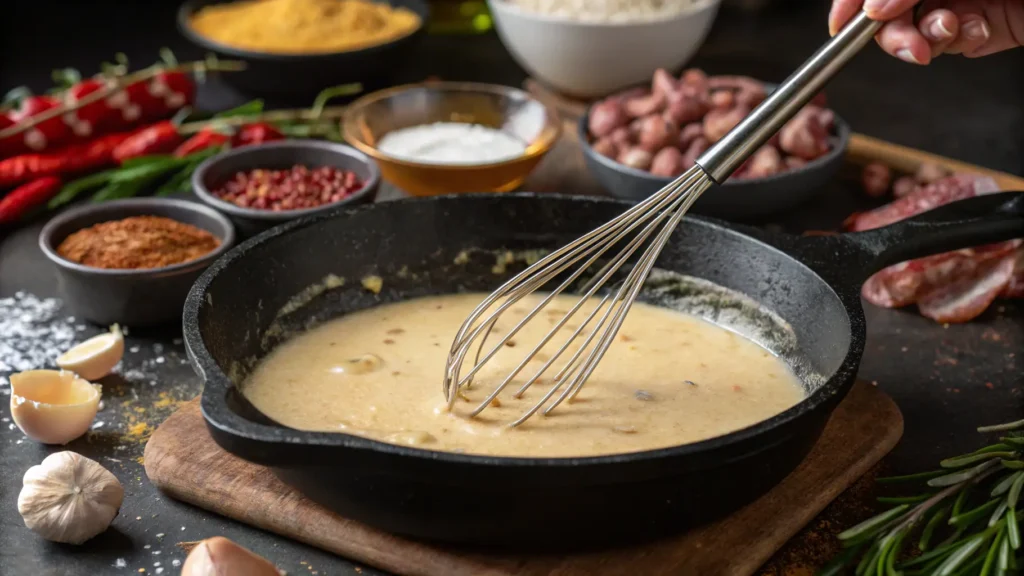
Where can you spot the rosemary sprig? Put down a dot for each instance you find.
(170, 174)
(964, 522)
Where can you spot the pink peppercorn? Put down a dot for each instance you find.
(296, 188)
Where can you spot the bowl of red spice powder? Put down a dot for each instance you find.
(132, 262)
(261, 186)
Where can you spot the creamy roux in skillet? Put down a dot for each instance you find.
(669, 379)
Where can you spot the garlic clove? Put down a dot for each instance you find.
(53, 406)
(69, 498)
(219, 556)
(96, 357)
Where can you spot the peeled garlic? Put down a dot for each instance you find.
(53, 406)
(96, 357)
(69, 498)
(219, 556)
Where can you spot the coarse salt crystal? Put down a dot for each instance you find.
(175, 562)
(33, 336)
(120, 563)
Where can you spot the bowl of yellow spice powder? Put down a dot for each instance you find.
(299, 47)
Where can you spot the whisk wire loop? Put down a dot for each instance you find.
(647, 216)
(603, 275)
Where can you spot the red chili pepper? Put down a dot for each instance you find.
(158, 138)
(93, 118)
(11, 145)
(48, 134)
(26, 197)
(256, 133)
(202, 140)
(168, 92)
(93, 155)
(19, 169)
(128, 104)
(98, 153)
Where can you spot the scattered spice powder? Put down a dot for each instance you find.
(139, 242)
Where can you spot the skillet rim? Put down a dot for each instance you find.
(218, 415)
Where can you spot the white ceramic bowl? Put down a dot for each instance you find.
(589, 59)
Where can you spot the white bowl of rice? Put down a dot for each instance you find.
(589, 48)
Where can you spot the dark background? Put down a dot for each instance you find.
(972, 110)
(946, 380)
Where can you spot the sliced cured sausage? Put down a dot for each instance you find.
(903, 283)
(967, 297)
(923, 199)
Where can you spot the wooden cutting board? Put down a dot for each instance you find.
(183, 460)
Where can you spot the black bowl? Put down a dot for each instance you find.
(738, 200)
(277, 156)
(300, 76)
(131, 297)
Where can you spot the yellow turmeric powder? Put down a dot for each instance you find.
(303, 26)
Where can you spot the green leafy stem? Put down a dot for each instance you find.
(963, 522)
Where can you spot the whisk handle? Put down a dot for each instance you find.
(722, 159)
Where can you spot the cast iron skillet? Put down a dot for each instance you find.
(813, 283)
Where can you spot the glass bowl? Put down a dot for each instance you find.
(508, 109)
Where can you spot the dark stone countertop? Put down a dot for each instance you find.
(946, 379)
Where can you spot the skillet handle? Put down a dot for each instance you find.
(971, 222)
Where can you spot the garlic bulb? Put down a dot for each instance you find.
(69, 498)
(219, 556)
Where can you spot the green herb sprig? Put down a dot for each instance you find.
(964, 522)
(167, 174)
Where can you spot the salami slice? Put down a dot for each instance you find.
(1015, 287)
(925, 198)
(967, 297)
(902, 284)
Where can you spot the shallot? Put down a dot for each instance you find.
(694, 111)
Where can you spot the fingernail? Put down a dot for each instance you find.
(875, 5)
(907, 56)
(938, 31)
(976, 30)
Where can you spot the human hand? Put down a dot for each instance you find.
(970, 27)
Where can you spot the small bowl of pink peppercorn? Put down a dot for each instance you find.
(258, 187)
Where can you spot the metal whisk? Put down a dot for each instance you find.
(649, 224)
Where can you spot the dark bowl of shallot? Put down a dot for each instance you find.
(637, 141)
(259, 187)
